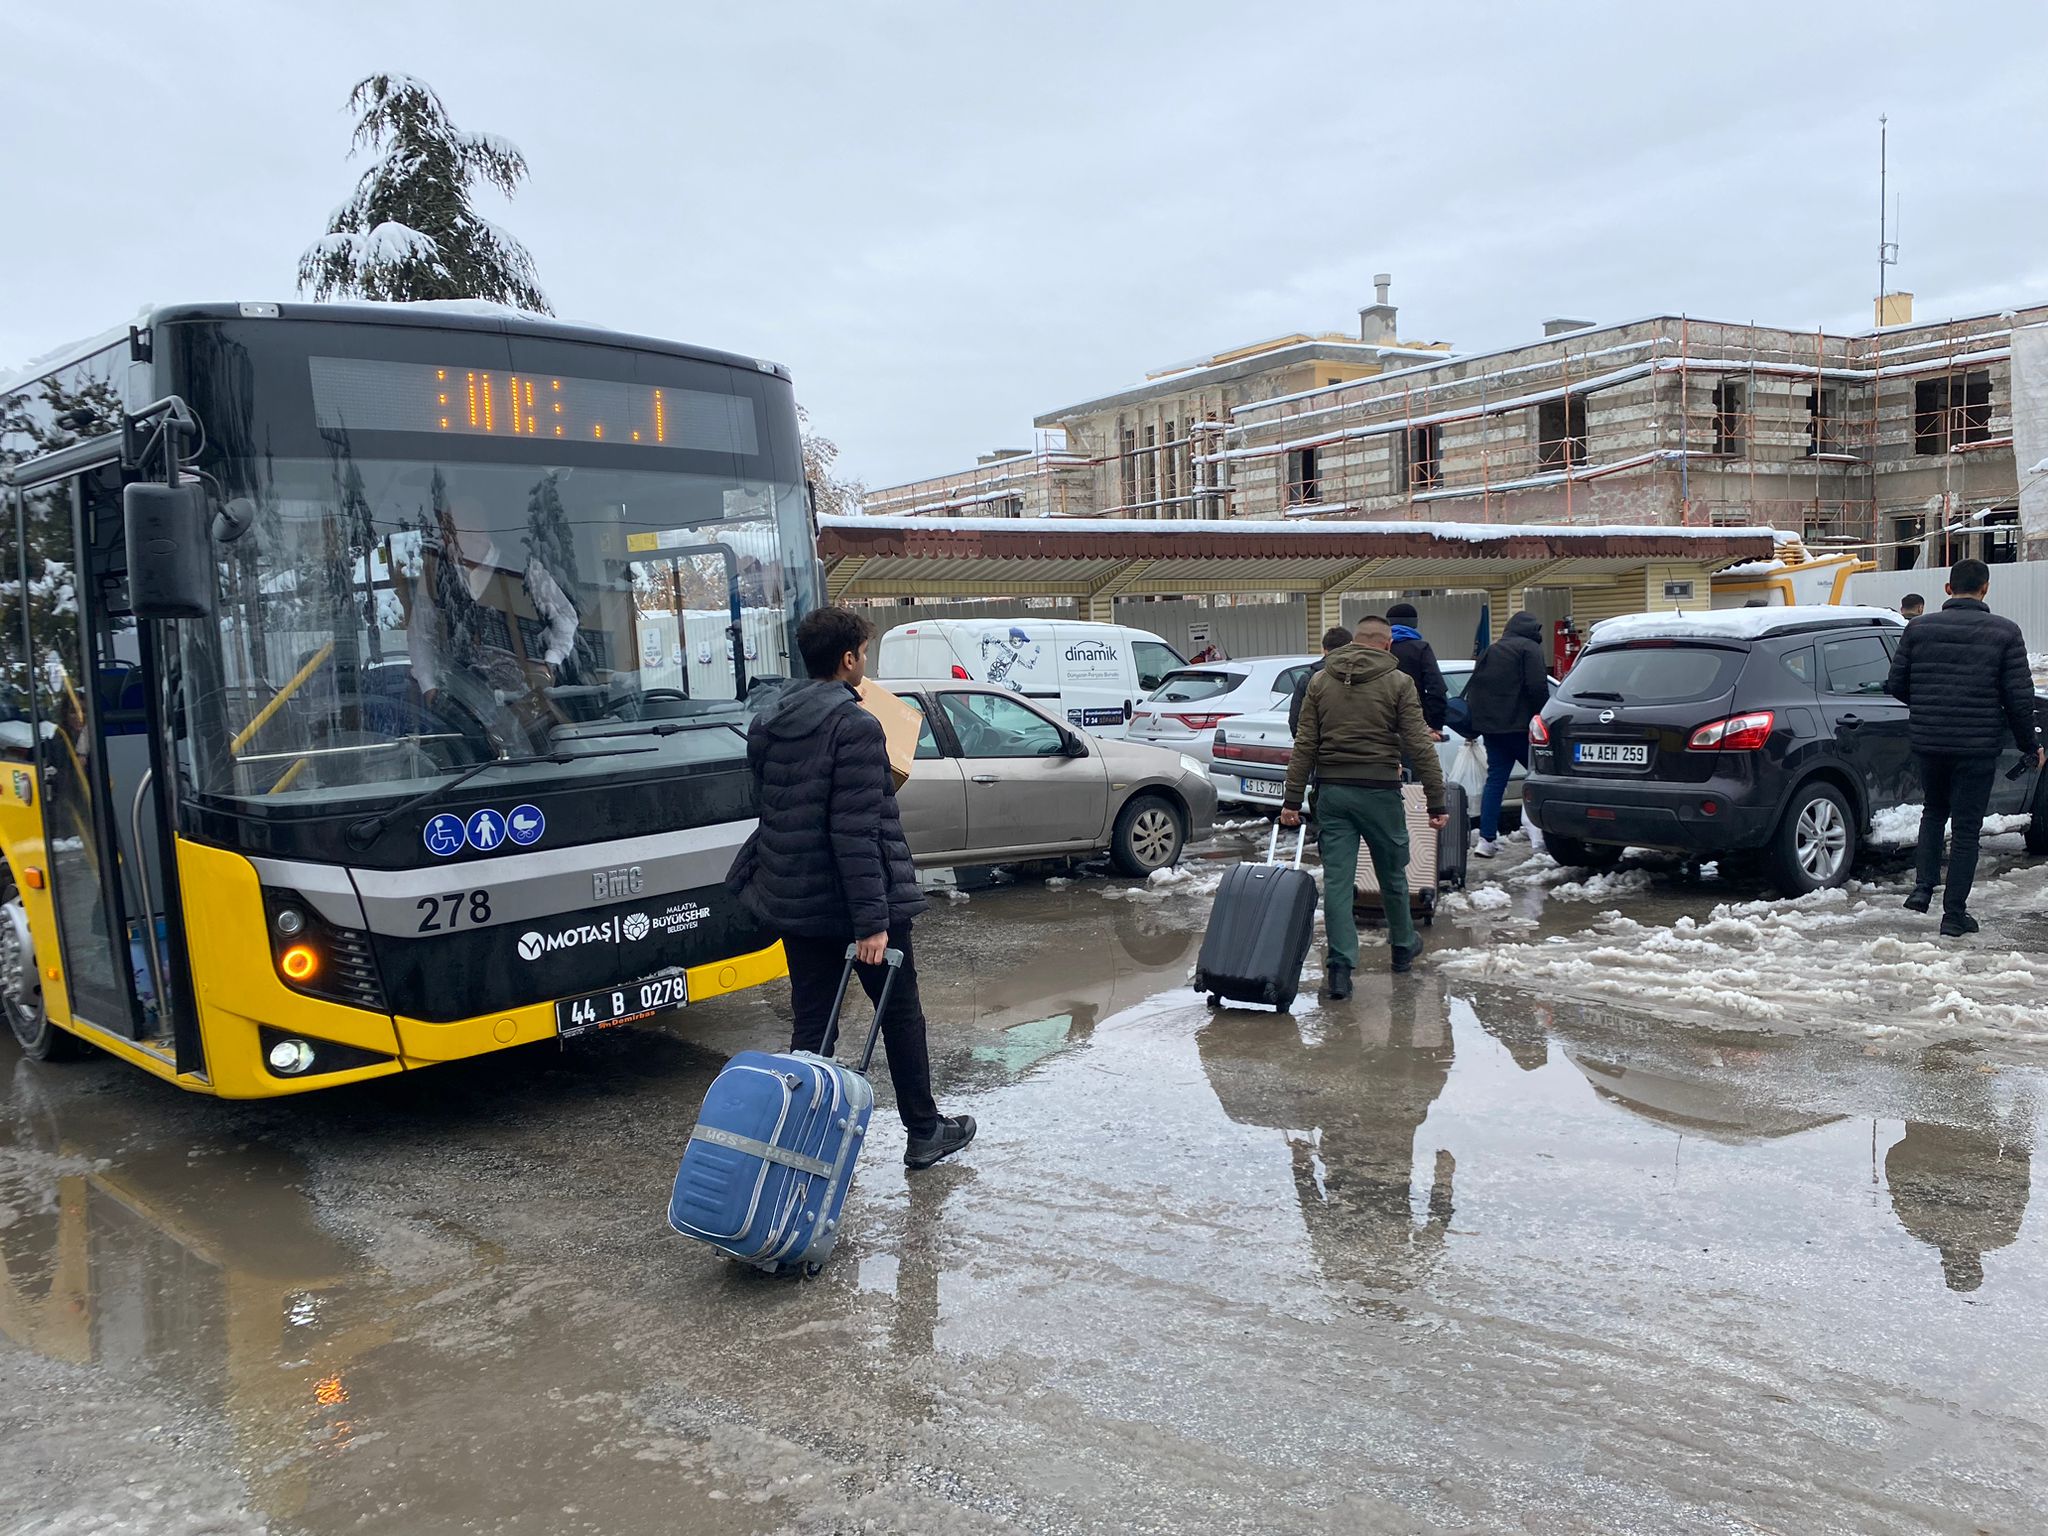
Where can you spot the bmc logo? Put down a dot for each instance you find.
(611, 884)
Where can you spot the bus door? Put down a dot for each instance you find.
(70, 641)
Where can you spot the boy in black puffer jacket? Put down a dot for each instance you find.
(829, 865)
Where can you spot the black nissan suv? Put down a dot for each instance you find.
(1749, 731)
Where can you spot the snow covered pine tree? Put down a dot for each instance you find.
(408, 232)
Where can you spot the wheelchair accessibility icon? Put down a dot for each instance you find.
(443, 835)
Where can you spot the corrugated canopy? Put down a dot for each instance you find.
(985, 557)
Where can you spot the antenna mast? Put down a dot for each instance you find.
(1887, 248)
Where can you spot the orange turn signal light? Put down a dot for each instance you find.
(298, 962)
(32, 877)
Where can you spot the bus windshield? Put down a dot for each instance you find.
(383, 621)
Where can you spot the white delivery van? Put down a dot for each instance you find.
(1093, 674)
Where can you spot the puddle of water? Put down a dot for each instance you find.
(1433, 1259)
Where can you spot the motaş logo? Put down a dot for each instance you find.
(534, 944)
(677, 917)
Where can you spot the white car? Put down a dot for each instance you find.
(1248, 756)
(1190, 702)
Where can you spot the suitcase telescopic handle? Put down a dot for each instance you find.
(1273, 843)
(893, 959)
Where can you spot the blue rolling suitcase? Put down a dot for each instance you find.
(768, 1165)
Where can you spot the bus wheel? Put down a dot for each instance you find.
(21, 984)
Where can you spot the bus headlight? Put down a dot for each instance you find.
(290, 1057)
(291, 922)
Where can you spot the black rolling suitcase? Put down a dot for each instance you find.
(1259, 931)
(1436, 860)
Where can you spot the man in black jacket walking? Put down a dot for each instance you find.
(829, 866)
(1335, 639)
(1509, 683)
(1417, 657)
(1962, 673)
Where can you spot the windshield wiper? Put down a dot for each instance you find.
(1595, 693)
(662, 728)
(365, 832)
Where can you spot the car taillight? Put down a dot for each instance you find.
(1738, 733)
(1539, 733)
(1201, 722)
(961, 673)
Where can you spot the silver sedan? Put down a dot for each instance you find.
(998, 779)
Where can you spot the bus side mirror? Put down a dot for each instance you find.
(170, 551)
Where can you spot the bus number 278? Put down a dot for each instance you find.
(455, 909)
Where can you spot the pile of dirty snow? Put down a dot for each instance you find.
(1899, 827)
(1480, 898)
(1604, 886)
(1180, 880)
(1825, 962)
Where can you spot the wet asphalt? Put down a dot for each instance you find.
(1443, 1258)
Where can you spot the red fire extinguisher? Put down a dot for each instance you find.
(1565, 647)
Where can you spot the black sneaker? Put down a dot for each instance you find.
(1921, 899)
(1339, 980)
(954, 1132)
(1957, 925)
(1405, 955)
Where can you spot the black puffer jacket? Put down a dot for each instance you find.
(1963, 673)
(829, 859)
(1510, 681)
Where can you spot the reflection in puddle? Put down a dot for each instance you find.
(1351, 1104)
(1468, 1203)
(203, 1261)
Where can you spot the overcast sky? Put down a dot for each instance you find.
(949, 218)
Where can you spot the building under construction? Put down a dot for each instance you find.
(1896, 442)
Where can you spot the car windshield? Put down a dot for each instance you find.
(384, 622)
(1189, 686)
(1653, 673)
(1455, 680)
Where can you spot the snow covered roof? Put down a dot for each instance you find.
(885, 556)
(1734, 623)
(1750, 542)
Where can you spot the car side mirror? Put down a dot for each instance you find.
(1075, 747)
(168, 532)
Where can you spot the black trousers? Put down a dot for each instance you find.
(1958, 790)
(814, 969)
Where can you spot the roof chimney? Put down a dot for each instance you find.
(1558, 325)
(1376, 321)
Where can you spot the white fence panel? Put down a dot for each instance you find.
(1450, 623)
(2019, 591)
(1239, 629)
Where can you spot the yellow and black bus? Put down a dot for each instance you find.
(373, 684)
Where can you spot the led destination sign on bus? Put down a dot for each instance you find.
(369, 395)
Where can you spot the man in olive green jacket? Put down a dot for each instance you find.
(1359, 719)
